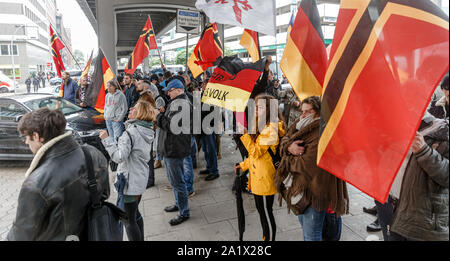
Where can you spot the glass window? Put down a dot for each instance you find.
(4, 50)
(15, 51)
(54, 103)
(9, 110)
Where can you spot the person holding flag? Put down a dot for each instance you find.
(69, 87)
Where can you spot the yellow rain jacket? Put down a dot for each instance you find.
(259, 163)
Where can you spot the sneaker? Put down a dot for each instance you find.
(374, 227)
(167, 188)
(191, 194)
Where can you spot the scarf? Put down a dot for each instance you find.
(301, 182)
(305, 121)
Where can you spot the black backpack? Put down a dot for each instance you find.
(276, 158)
(103, 218)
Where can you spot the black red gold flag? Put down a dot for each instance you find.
(207, 52)
(386, 60)
(304, 62)
(96, 93)
(146, 42)
(87, 67)
(232, 83)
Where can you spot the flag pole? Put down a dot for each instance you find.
(159, 53)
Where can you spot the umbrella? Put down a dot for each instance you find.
(239, 204)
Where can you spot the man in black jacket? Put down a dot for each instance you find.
(54, 197)
(130, 91)
(174, 144)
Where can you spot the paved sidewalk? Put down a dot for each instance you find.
(213, 209)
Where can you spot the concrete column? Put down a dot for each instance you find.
(107, 28)
(146, 66)
(221, 29)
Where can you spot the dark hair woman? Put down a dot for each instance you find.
(265, 136)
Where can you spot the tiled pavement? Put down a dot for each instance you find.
(213, 209)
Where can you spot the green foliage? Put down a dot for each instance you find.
(180, 58)
(79, 57)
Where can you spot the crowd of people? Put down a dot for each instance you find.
(278, 157)
(38, 80)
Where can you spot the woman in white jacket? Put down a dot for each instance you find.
(132, 153)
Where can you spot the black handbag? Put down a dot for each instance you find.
(103, 218)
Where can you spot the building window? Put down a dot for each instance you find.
(5, 50)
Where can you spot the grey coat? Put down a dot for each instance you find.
(133, 155)
(422, 210)
(116, 107)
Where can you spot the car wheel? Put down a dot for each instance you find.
(3, 90)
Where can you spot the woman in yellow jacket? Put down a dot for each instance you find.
(259, 162)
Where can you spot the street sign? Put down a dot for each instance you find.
(188, 22)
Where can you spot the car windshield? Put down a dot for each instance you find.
(53, 103)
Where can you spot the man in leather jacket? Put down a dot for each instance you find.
(54, 197)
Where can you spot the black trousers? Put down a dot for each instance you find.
(259, 201)
(135, 226)
(385, 214)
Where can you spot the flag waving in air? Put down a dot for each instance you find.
(256, 15)
(57, 46)
(87, 68)
(232, 83)
(304, 62)
(146, 42)
(250, 41)
(386, 60)
(207, 52)
(96, 94)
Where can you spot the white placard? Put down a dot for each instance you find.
(188, 22)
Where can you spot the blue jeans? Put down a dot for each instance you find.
(188, 165)
(115, 129)
(176, 176)
(209, 148)
(320, 226)
(194, 151)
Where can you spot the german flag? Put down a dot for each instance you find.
(386, 60)
(304, 62)
(207, 52)
(96, 93)
(87, 68)
(250, 41)
(56, 46)
(232, 82)
(146, 42)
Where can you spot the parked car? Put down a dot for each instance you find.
(6, 84)
(55, 81)
(84, 124)
(5, 87)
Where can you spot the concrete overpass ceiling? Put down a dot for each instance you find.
(130, 24)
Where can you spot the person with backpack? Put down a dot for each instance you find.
(55, 197)
(132, 153)
(318, 198)
(261, 146)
